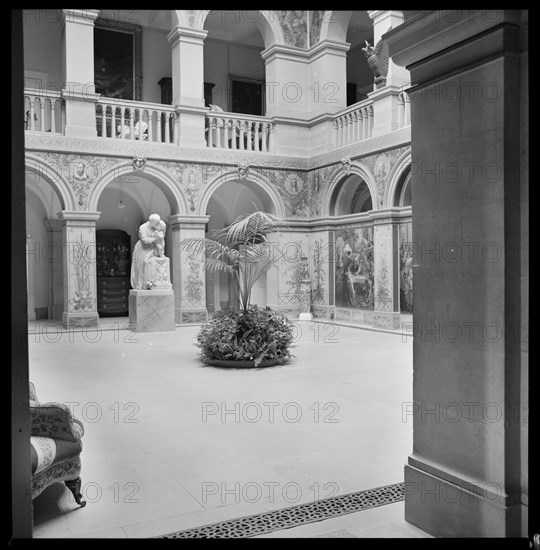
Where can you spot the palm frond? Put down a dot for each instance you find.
(209, 248)
(213, 265)
(249, 228)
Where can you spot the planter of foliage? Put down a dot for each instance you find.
(258, 337)
(249, 336)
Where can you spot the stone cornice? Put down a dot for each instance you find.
(378, 217)
(431, 32)
(184, 34)
(181, 221)
(285, 52)
(81, 17)
(70, 95)
(191, 109)
(78, 217)
(327, 45)
(367, 147)
(126, 149)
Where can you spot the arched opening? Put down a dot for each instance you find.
(351, 196)
(359, 75)
(230, 200)
(44, 248)
(125, 203)
(402, 195)
(234, 71)
(402, 199)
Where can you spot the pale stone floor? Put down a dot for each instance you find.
(171, 444)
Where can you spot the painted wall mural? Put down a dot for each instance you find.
(293, 267)
(354, 267)
(294, 25)
(193, 286)
(380, 166)
(315, 21)
(405, 268)
(82, 261)
(319, 255)
(294, 188)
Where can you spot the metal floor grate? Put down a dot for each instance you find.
(301, 514)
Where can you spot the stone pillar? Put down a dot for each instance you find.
(467, 474)
(188, 85)
(288, 98)
(327, 91)
(188, 277)
(386, 270)
(79, 268)
(385, 99)
(78, 65)
(54, 257)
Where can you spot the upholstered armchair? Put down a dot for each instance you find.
(56, 446)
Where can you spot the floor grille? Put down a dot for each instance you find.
(293, 516)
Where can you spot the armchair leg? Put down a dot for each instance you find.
(74, 486)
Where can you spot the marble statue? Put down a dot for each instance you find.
(150, 267)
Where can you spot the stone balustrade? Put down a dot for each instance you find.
(240, 132)
(44, 111)
(136, 120)
(354, 123)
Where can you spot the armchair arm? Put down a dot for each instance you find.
(54, 420)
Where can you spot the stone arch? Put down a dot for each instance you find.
(394, 178)
(252, 177)
(338, 177)
(335, 24)
(180, 18)
(267, 24)
(54, 178)
(156, 175)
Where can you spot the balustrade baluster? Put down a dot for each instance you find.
(233, 132)
(53, 116)
(271, 138)
(249, 136)
(263, 137)
(219, 123)
(32, 111)
(151, 124)
(113, 122)
(167, 129)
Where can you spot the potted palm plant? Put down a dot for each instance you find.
(248, 336)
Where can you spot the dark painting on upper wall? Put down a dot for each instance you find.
(117, 60)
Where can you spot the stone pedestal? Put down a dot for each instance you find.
(151, 310)
(157, 271)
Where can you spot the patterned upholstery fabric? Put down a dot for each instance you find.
(54, 420)
(46, 451)
(55, 443)
(63, 471)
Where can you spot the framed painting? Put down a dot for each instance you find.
(118, 59)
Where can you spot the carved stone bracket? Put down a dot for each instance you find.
(139, 162)
(346, 164)
(243, 169)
